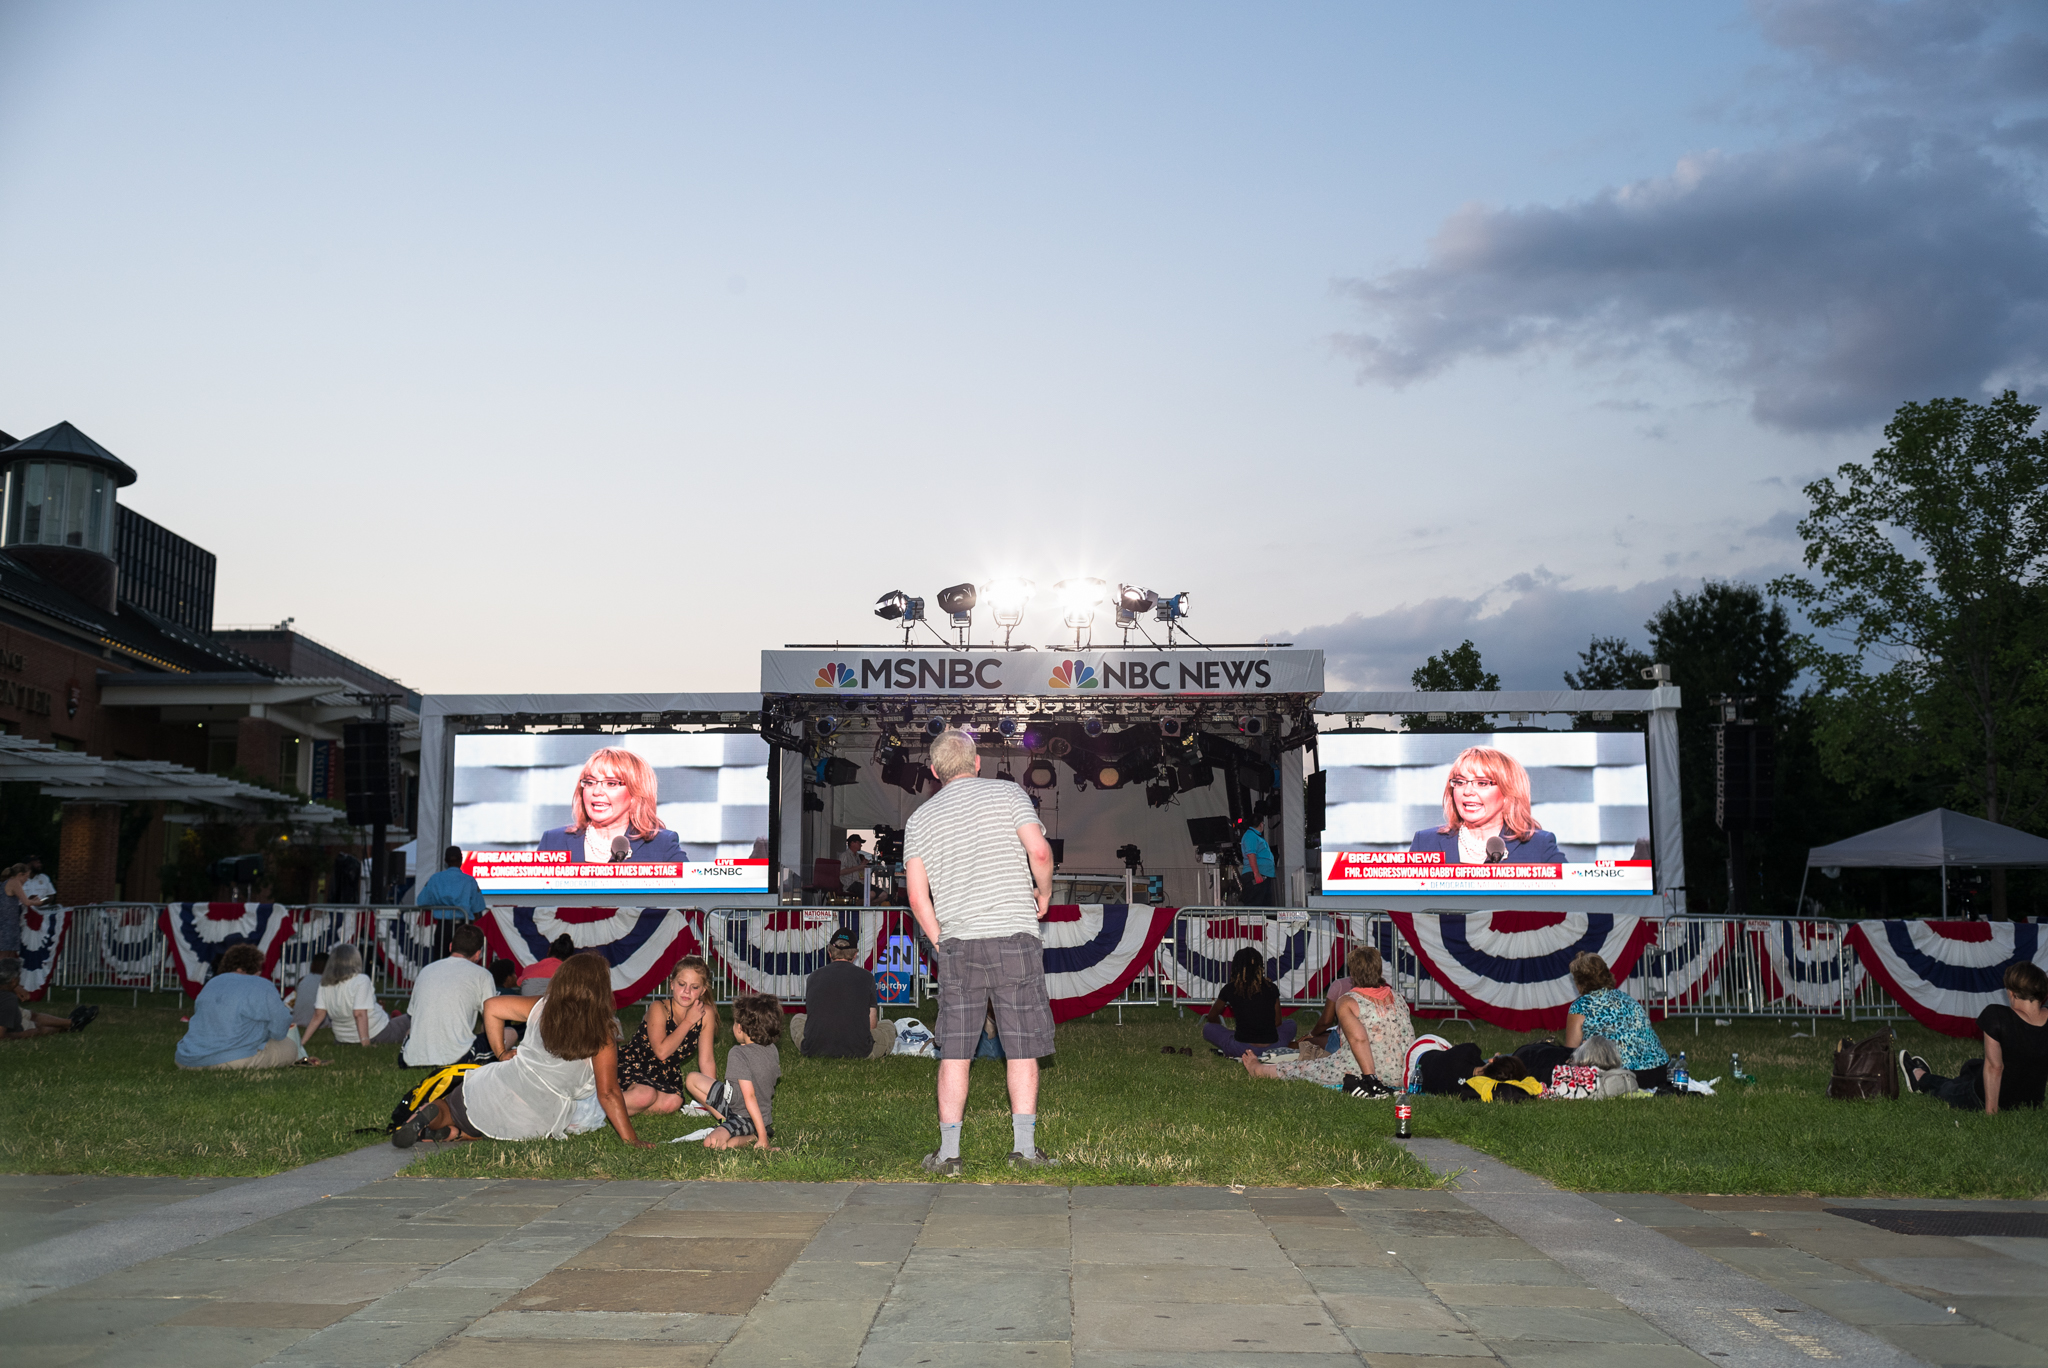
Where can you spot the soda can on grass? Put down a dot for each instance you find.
(1402, 1111)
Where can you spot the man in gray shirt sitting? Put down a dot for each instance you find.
(979, 873)
(840, 1019)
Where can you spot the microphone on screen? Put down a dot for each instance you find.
(1496, 850)
(622, 849)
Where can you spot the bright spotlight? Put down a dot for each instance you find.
(1006, 600)
(1130, 602)
(1080, 601)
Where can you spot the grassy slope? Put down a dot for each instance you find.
(1115, 1108)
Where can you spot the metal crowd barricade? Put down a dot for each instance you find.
(898, 949)
(113, 945)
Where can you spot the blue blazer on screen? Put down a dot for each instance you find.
(1539, 848)
(663, 847)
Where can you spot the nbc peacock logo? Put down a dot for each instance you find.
(1074, 674)
(833, 676)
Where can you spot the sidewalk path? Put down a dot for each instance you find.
(444, 1273)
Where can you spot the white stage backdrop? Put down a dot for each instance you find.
(1590, 789)
(511, 788)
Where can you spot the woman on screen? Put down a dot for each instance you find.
(1486, 798)
(614, 800)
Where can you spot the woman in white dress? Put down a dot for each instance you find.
(1376, 1028)
(568, 1055)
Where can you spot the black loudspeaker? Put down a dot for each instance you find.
(1745, 766)
(370, 774)
(1312, 806)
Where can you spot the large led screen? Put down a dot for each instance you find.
(610, 816)
(1521, 814)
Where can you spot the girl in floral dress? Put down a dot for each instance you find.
(1376, 1030)
(674, 1037)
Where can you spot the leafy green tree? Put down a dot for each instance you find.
(1608, 663)
(1932, 568)
(1457, 670)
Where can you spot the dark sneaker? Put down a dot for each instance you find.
(1909, 1062)
(1369, 1086)
(82, 1016)
(1038, 1158)
(945, 1168)
(414, 1129)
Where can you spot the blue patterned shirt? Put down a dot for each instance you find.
(1612, 1013)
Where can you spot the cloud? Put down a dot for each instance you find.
(1901, 254)
(1529, 629)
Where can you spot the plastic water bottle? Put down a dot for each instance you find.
(1735, 1066)
(1678, 1075)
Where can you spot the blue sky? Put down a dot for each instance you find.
(518, 347)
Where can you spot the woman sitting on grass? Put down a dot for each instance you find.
(239, 1021)
(1604, 1010)
(569, 1052)
(348, 1000)
(1254, 1003)
(1377, 1034)
(673, 1033)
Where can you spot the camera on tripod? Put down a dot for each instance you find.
(1131, 856)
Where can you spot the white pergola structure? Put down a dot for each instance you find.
(78, 777)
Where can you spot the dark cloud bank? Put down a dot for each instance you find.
(1899, 254)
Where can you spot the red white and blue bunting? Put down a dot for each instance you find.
(315, 931)
(42, 940)
(1680, 963)
(196, 935)
(1093, 951)
(1946, 972)
(775, 954)
(405, 943)
(642, 943)
(1514, 968)
(1805, 963)
(130, 942)
(1298, 953)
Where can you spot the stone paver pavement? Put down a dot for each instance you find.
(443, 1273)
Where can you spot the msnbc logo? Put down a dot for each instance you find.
(1073, 674)
(833, 676)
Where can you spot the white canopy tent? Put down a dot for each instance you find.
(1933, 840)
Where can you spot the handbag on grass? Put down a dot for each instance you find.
(1574, 1080)
(1864, 1069)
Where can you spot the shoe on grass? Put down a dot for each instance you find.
(417, 1127)
(1038, 1158)
(82, 1016)
(945, 1168)
(1908, 1061)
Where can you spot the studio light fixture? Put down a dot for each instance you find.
(957, 603)
(1006, 600)
(1130, 602)
(1092, 726)
(1040, 774)
(1059, 748)
(1251, 725)
(897, 606)
(826, 725)
(1080, 600)
(1008, 726)
(1170, 610)
(1170, 728)
(935, 726)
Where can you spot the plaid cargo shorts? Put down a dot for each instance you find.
(1006, 972)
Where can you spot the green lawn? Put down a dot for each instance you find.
(1113, 1107)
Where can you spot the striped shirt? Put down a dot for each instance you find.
(966, 836)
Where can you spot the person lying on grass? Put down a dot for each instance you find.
(672, 1034)
(2014, 1069)
(239, 1021)
(17, 1023)
(744, 1100)
(569, 1052)
(1377, 1033)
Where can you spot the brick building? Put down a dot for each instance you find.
(120, 698)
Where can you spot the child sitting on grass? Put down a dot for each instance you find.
(744, 1100)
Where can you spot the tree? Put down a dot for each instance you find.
(1457, 670)
(1725, 640)
(1608, 663)
(1931, 564)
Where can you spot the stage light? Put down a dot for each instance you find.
(1080, 600)
(826, 725)
(1008, 726)
(1109, 776)
(935, 726)
(1170, 608)
(1006, 599)
(1027, 705)
(1040, 774)
(1132, 600)
(1092, 726)
(958, 600)
(896, 605)
(1170, 727)
(1251, 726)
(1059, 747)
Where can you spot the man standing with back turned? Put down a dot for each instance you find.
(979, 873)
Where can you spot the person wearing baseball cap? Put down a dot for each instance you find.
(840, 1019)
